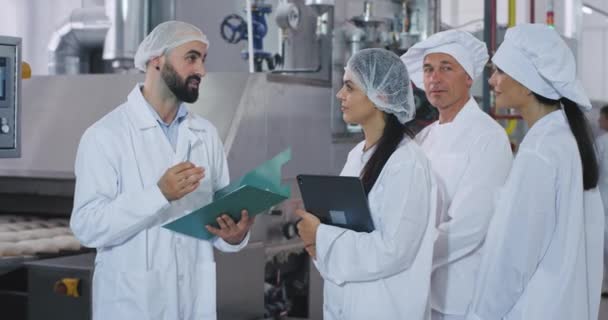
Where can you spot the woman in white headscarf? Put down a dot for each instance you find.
(384, 274)
(544, 246)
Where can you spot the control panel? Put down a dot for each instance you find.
(10, 97)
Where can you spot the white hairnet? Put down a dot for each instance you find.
(536, 56)
(166, 36)
(471, 53)
(384, 79)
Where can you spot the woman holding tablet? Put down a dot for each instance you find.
(384, 274)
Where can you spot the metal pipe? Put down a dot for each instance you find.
(250, 35)
(160, 11)
(405, 22)
(85, 29)
(129, 27)
(315, 70)
(489, 36)
(532, 11)
(325, 16)
(434, 18)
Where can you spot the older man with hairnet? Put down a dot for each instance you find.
(470, 155)
(145, 163)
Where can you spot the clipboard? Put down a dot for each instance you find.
(256, 191)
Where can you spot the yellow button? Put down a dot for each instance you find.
(26, 70)
(71, 285)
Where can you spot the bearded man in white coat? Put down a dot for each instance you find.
(470, 155)
(148, 162)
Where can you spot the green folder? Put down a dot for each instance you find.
(255, 192)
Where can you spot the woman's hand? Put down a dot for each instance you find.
(307, 230)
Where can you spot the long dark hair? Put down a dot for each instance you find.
(582, 133)
(387, 144)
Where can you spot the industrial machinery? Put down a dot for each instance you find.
(288, 19)
(10, 103)
(233, 29)
(104, 38)
(414, 20)
(257, 115)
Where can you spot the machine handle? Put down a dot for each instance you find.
(233, 29)
(67, 287)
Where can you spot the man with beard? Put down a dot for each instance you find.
(148, 162)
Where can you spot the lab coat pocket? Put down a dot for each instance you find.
(370, 300)
(204, 288)
(136, 295)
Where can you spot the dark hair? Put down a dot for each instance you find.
(582, 133)
(387, 144)
(604, 110)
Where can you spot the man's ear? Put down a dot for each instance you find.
(155, 62)
(469, 81)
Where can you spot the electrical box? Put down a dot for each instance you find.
(10, 97)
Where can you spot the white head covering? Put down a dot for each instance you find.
(471, 53)
(385, 81)
(166, 36)
(536, 56)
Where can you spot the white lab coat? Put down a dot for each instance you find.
(601, 144)
(544, 246)
(384, 274)
(471, 158)
(143, 271)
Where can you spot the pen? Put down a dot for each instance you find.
(189, 151)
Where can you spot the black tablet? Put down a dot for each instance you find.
(337, 201)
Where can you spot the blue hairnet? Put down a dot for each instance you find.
(383, 77)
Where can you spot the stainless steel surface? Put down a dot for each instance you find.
(372, 28)
(129, 27)
(256, 118)
(321, 6)
(71, 44)
(160, 11)
(116, 29)
(305, 49)
(10, 97)
(56, 111)
(287, 16)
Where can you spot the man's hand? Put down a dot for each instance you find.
(231, 232)
(307, 229)
(180, 180)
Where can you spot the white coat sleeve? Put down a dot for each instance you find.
(221, 178)
(102, 216)
(472, 205)
(518, 237)
(404, 208)
(602, 158)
